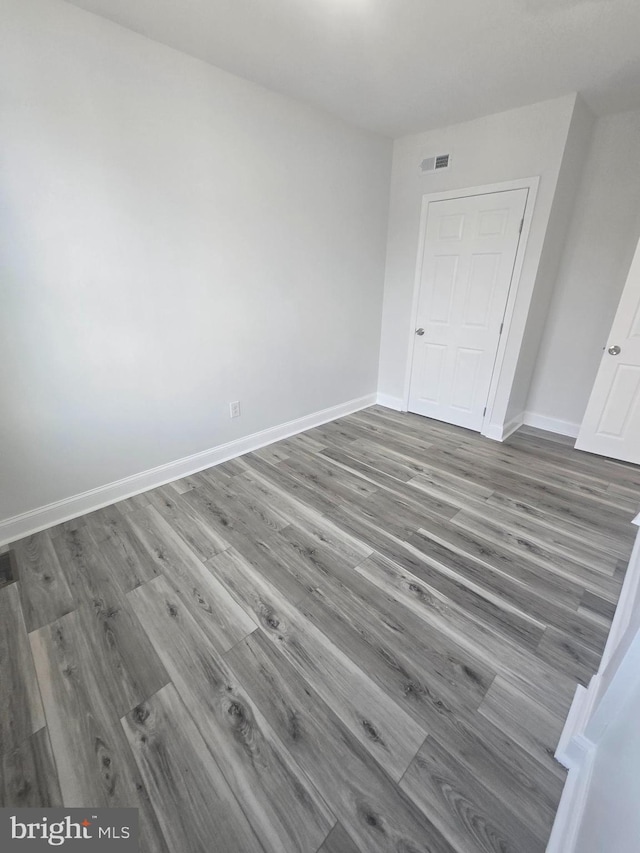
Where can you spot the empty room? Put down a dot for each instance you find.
(320, 426)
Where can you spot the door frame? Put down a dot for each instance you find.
(530, 184)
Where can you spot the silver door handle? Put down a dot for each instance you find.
(614, 350)
(420, 332)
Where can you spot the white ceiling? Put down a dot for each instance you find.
(398, 66)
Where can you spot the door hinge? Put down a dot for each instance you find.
(521, 224)
(485, 411)
(501, 328)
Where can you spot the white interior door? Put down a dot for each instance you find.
(611, 425)
(469, 255)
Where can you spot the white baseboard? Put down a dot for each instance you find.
(63, 510)
(493, 431)
(568, 820)
(511, 426)
(575, 724)
(551, 424)
(499, 432)
(390, 402)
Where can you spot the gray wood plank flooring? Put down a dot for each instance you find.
(28, 775)
(363, 638)
(338, 842)
(288, 815)
(195, 806)
(21, 711)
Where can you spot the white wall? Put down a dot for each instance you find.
(611, 817)
(516, 144)
(174, 238)
(609, 814)
(599, 247)
(600, 741)
(574, 159)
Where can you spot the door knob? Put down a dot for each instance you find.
(420, 332)
(614, 350)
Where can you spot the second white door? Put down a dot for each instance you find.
(469, 256)
(611, 424)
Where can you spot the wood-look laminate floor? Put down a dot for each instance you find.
(363, 638)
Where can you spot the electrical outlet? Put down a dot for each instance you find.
(234, 409)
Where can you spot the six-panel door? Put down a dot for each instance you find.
(469, 255)
(611, 425)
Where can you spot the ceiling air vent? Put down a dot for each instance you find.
(435, 163)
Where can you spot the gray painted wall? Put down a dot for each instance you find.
(598, 251)
(174, 238)
(516, 144)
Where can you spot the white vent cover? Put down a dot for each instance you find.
(435, 163)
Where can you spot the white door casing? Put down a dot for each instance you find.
(469, 253)
(611, 424)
